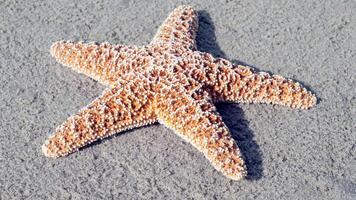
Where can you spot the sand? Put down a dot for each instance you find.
(290, 154)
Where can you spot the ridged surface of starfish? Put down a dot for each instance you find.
(170, 82)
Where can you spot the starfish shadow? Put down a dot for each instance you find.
(206, 40)
(232, 115)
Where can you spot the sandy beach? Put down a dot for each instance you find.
(290, 154)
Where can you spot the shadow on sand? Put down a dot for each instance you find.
(232, 115)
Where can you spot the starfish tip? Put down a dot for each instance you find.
(54, 48)
(184, 8)
(238, 176)
(46, 151)
(312, 102)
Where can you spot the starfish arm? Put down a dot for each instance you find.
(239, 83)
(103, 62)
(193, 117)
(125, 106)
(179, 29)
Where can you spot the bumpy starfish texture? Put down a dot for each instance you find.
(168, 81)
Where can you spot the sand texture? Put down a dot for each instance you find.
(289, 154)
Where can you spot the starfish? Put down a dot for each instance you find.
(167, 81)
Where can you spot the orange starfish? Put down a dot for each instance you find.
(168, 81)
